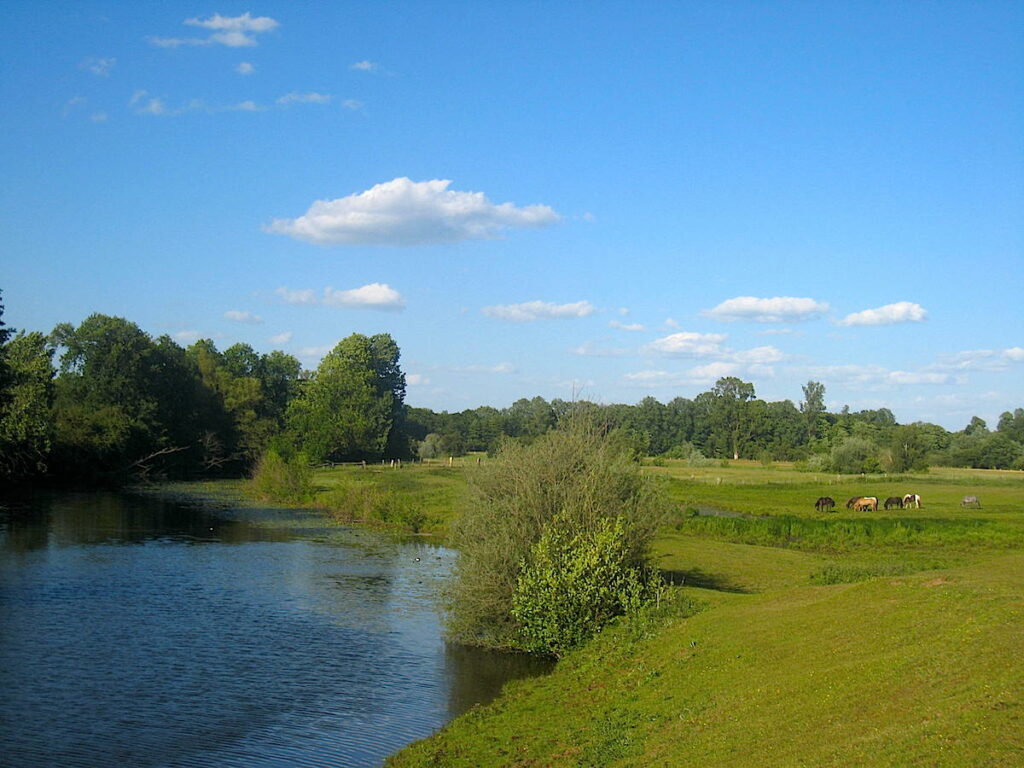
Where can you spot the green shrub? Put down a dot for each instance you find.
(574, 581)
(855, 456)
(577, 474)
(276, 478)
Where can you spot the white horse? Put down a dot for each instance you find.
(912, 501)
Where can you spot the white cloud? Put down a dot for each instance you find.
(416, 380)
(352, 104)
(98, 117)
(671, 323)
(232, 31)
(312, 353)
(910, 377)
(688, 344)
(245, 68)
(187, 337)
(243, 317)
(758, 356)
(100, 67)
(626, 326)
(780, 309)
(154, 106)
(591, 349)
(72, 104)
(280, 338)
(245, 106)
(406, 212)
(979, 360)
(364, 66)
(653, 377)
(499, 368)
(529, 311)
(304, 98)
(713, 371)
(900, 312)
(372, 296)
(876, 377)
(775, 332)
(700, 375)
(306, 296)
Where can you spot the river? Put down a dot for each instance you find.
(137, 630)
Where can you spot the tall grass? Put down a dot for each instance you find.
(844, 535)
(367, 503)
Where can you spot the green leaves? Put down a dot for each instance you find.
(575, 581)
(351, 406)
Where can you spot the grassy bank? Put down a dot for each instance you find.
(846, 639)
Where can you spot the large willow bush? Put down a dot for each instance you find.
(536, 506)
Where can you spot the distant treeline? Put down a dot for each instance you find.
(104, 402)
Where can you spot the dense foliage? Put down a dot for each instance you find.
(538, 514)
(105, 402)
(575, 580)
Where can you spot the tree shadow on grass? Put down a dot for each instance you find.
(696, 577)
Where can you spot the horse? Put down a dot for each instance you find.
(894, 501)
(912, 501)
(852, 500)
(825, 504)
(865, 504)
(970, 501)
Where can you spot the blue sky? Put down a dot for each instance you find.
(611, 199)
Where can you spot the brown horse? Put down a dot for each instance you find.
(825, 504)
(852, 500)
(894, 501)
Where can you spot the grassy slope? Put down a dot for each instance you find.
(920, 668)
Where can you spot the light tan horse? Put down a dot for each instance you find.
(866, 504)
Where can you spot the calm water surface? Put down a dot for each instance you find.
(140, 631)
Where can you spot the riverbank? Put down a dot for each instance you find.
(859, 639)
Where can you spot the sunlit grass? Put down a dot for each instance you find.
(844, 638)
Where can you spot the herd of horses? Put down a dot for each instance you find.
(870, 503)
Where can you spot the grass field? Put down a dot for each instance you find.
(801, 638)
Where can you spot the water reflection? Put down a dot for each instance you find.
(138, 631)
(476, 676)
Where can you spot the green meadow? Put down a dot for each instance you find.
(789, 637)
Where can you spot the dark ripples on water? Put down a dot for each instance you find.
(139, 632)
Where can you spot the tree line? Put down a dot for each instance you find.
(106, 402)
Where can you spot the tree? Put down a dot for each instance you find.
(855, 456)
(1012, 425)
(908, 449)
(25, 428)
(977, 426)
(5, 373)
(349, 408)
(105, 406)
(813, 406)
(730, 416)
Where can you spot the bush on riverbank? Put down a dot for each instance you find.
(570, 485)
(574, 582)
(277, 478)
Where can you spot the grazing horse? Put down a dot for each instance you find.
(912, 501)
(970, 501)
(825, 504)
(894, 501)
(852, 501)
(865, 504)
